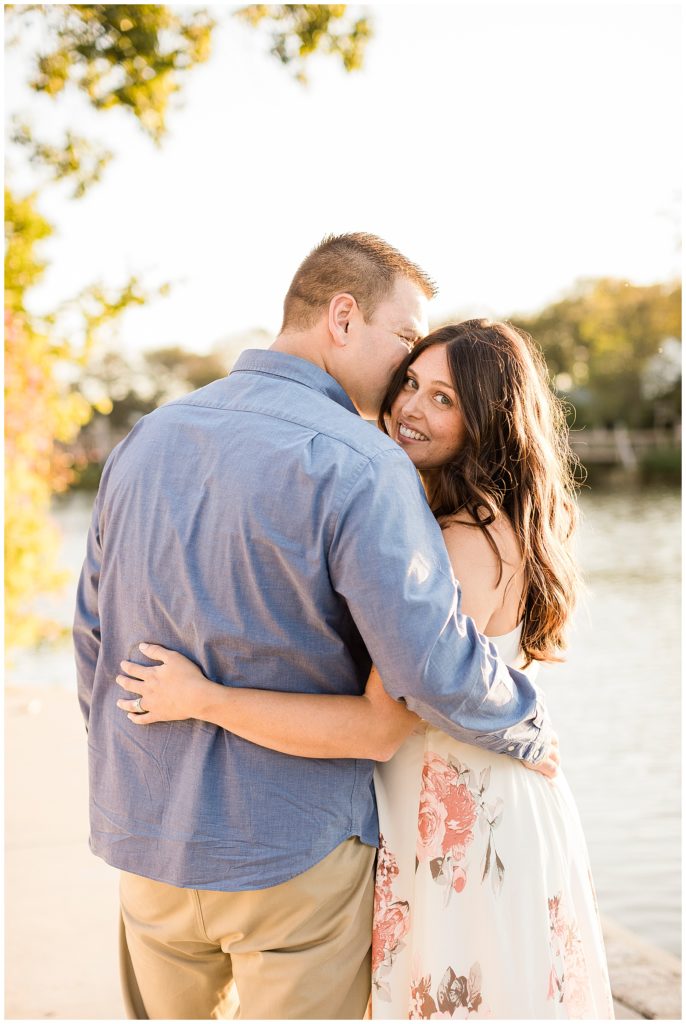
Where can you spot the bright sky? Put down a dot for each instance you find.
(508, 149)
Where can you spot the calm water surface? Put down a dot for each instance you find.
(615, 702)
(616, 706)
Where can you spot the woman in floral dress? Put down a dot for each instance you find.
(484, 901)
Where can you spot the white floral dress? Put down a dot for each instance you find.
(484, 903)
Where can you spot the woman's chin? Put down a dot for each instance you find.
(416, 459)
(413, 449)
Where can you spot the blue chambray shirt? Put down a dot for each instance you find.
(263, 528)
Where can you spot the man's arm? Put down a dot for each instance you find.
(388, 560)
(87, 618)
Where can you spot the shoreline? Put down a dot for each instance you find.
(58, 891)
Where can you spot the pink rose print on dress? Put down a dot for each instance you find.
(450, 804)
(568, 981)
(431, 825)
(387, 871)
(460, 816)
(391, 921)
(390, 928)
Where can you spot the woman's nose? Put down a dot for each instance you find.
(411, 405)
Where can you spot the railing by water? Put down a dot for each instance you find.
(618, 446)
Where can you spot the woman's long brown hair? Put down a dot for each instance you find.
(515, 460)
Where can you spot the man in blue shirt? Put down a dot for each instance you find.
(264, 529)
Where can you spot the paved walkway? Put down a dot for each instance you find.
(61, 901)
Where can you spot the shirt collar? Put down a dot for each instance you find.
(281, 364)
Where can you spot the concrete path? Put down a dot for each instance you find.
(61, 902)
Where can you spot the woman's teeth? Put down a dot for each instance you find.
(413, 434)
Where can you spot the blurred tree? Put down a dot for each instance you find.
(178, 371)
(128, 55)
(133, 57)
(43, 410)
(299, 30)
(133, 388)
(130, 388)
(601, 341)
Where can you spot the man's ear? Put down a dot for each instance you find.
(341, 308)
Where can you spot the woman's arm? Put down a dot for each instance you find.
(307, 725)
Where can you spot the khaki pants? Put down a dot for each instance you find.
(297, 951)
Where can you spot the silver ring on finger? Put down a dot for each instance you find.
(138, 710)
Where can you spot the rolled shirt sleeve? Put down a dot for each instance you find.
(388, 560)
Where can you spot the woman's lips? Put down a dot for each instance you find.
(405, 434)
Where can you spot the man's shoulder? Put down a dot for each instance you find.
(346, 429)
(283, 404)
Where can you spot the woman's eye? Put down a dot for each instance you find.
(410, 382)
(443, 399)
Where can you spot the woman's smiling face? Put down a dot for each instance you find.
(425, 417)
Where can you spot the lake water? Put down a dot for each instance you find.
(615, 702)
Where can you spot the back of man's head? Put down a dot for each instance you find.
(359, 264)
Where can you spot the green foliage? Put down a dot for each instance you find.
(602, 341)
(662, 466)
(299, 30)
(127, 55)
(37, 412)
(76, 158)
(44, 412)
(177, 371)
(24, 227)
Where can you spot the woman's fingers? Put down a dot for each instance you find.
(134, 715)
(132, 685)
(132, 668)
(141, 719)
(129, 705)
(548, 766)
(155, 652)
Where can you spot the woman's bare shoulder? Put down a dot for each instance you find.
(485, 579)
(474, 562)
(462, 534)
